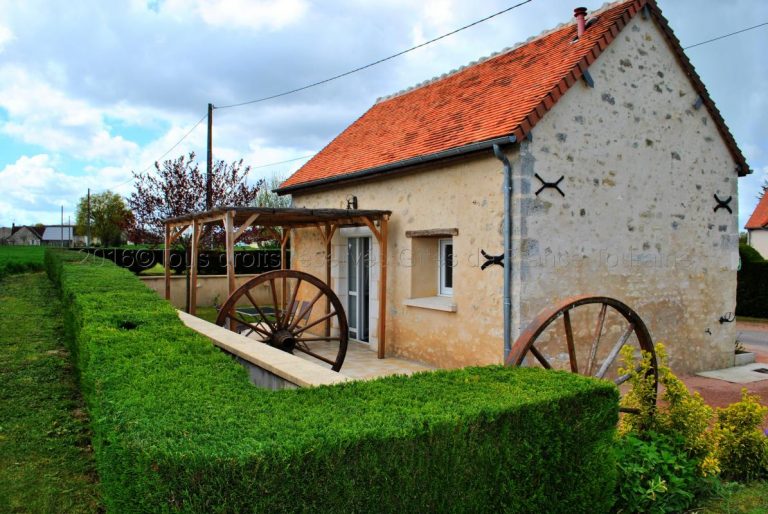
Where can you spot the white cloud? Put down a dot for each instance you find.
(253, 14)
(6, 36)
(43, 115)
(31, 186)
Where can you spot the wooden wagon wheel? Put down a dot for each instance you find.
(284, 309)
(605, 367)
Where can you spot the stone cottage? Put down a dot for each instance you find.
(624, 185)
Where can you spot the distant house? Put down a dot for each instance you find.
(24, 235)
(4, 233)
(56, 235)
(625, 183)
(757, 227)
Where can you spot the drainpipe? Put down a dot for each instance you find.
(507, 189)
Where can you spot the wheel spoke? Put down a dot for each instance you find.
(596, 340)
(625, 377)
(274, 299)
(536, 353)
(307, 308)
(315, 323)
(315, 355)
(290, 311)
(253, 327)
(569, 340)
(615, 351)
(259, 311)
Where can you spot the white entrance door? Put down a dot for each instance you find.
(358, 273)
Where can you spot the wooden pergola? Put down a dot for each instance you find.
(279, 222)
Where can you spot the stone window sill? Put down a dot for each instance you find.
(437, 303)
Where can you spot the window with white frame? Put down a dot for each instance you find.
(445, 267)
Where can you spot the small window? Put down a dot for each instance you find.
(445, 279)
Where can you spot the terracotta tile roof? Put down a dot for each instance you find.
(505, 95)
(759, 218)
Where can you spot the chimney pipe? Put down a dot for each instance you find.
(580, 14)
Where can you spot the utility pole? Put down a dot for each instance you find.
(88, 218)
(209, 173)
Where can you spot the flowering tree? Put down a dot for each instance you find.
(177, 187)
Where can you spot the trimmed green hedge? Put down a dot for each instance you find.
(749, 254)
(20, 259)
(177, 426)
(752, 289)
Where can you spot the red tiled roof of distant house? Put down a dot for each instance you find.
(759, 218)
(501, 96)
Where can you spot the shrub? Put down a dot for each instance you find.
(752, 289)
(656, 474)
(749, 254)
(177, 426)
(742, 447)
(679, 415)
(666, 453)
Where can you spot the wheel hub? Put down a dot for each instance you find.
(283, 340)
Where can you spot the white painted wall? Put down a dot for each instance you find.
(758, 239)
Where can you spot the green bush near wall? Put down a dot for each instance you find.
(752, 289)
(20, 259)
(749, 254)
(177, 426)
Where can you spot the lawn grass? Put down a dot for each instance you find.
(17, 259)
(748, 319)
(737, 498)
(207, 313)
(46, 463)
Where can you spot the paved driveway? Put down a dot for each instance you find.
(719, 393)
(753, 334)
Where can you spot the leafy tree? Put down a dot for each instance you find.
(109, 217)
(763, 190)
(177, 187)
(268, 198)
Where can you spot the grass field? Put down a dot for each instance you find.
(45, 459)
(736, 498)
(16, 259)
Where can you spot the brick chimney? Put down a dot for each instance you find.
(580, 14)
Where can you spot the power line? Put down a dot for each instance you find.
(185, 136)
(280, 162)
(726, 35)
(398, 54)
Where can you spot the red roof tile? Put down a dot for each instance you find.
(501, 96)
(759, 218)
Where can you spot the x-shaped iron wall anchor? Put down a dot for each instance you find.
(553, 185)
(491, 260)
(723, 204)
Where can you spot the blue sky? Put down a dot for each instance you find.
(91, 90)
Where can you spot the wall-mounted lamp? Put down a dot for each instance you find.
(729, 317)
(351, 202)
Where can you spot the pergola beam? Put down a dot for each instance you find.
(196, 233)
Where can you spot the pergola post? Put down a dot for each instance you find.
(327, 237)
(229, 230)
(284, 236)
(196, 231)
(167, 261)
(382, 335)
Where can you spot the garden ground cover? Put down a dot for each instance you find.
(45, 460)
